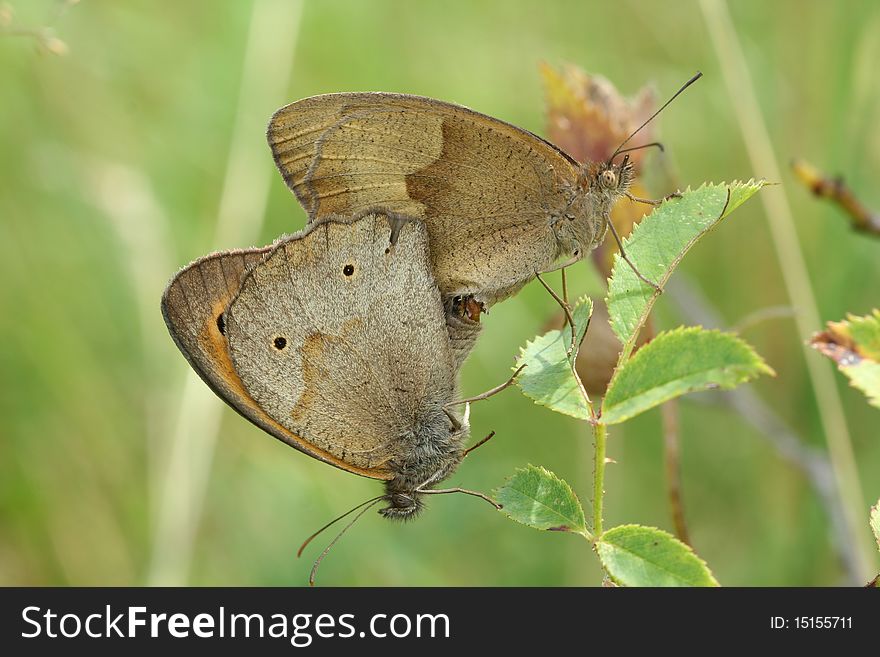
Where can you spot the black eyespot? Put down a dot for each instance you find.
(348, 270)
(280, 343)
(387, 250)
(221, 324)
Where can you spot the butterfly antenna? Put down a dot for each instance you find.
(653, 144)
(333, 522)
(564, 285)
(370, 504)
(651, 118)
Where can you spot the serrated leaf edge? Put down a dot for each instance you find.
(579, 336)
(539, 402)
(664, 278)
(645, 352)
(688, 548)
(542, 471)
(725, 211)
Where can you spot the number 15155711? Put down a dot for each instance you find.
(811, 622)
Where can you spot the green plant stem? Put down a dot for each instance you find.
(599, 438)
(599, 435)
(600, 431)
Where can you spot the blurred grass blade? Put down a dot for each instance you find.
(677, 362)
(854, 344)
(658, 244)
(634, 555)
(548, 378)
(793, 264)
(875, 521)
(538, 498)
(271, 44)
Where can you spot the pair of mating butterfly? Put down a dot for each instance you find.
(345, 340)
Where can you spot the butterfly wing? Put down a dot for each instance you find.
(487, 190)
(341, 338)
(194, 306)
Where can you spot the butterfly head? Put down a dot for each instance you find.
(610, 179)
(402, 505)
(600, 184)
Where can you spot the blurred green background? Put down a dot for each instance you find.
(143, 148)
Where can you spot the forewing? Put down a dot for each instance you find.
(344, 153)
(481, 184)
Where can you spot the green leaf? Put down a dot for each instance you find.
(581, 314)
(548, 378)
(633, 555)
(677, 362)
(875, 521)
(854, 344)
(658, 244)
(538, 498)
(865, 333)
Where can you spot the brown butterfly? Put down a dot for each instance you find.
(501, 204)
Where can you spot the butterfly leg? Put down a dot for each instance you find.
(475, 445)
(565, 308)
(576, 257)
(630, 262)
(456, 424)
(488, 393)
(444, 491)
(652, 201)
